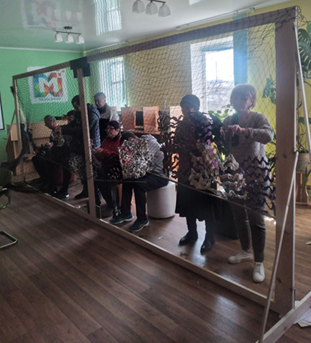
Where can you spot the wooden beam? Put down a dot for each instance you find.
(277, 255)
(7, 138)
(288, 320)
(42, 70)
(239, 24)
(285, 152)
(86, 143)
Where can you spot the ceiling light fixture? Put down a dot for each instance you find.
(151, 8)
(138, 7)
(69, 36)
(68, 15)
(164, 10)
(58, 38)
(80, 39)
(215, 18)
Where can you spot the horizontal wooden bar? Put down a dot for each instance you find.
(239, 24)
(42, 70)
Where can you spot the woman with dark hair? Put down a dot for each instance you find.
(195, 127)
(109, 169)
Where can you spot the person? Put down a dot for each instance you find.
(74, 128)
(108, 157)
(153, 179)
(107, 113)
(246, 133)
(195, 126)
(52, 153)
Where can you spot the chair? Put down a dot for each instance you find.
(5, 180)
(161, 202)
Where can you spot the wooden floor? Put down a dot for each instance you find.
(69, 280)
(166, 233)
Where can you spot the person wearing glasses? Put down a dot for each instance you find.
(109, 167)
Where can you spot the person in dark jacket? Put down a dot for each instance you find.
(74, 128)
(53, 153)
(195, 127)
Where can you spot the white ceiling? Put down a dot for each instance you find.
(32, 24)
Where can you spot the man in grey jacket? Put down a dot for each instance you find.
(107, 114)
(153, 179)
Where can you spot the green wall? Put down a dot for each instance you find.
(15, 61)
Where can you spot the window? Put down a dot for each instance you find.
(107, 16)
(219, 78)
(112, 81)
(212, 70)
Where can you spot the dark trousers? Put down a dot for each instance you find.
(66, 178)
(251, 229)
(107, 191)
(45, 169)
(209, 223)
(147, 183)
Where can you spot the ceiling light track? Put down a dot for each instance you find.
(151, 8)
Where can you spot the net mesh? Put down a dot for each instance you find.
(144, 85)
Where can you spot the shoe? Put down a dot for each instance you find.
(62, 194)
(258, 272)
(48, 190)
(138, 225)
(82, 195)
(241, 256)
(190, 237)
(121, 219)
(207, 246)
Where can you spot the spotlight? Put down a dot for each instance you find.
(164, 10)
(138, 7)
(58, 38)
(68, 15)
(80, 39)
(151, 8)
(69, 38)
(79, 16)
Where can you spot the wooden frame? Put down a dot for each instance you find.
(286, 57)
(1, 116)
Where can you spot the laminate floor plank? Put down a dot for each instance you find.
(33, 316)
(11, 326)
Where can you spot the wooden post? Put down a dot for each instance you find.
(288, 320)
(17, 114)
(86, 141)
(277, 254)
(285, 147)
(7, 138)
(303, 92)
